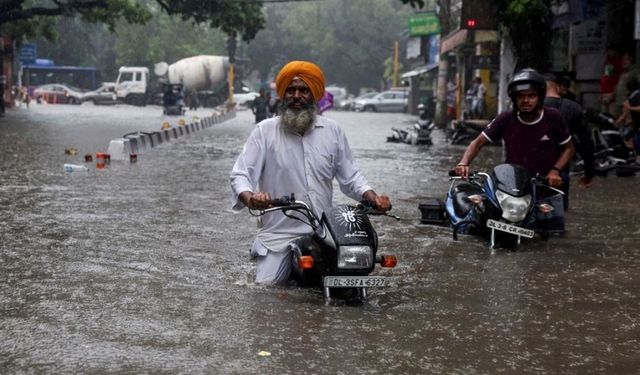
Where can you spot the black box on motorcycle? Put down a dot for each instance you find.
(432, 212)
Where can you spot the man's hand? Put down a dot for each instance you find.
(554, 179)
(585, 182)
(462, 170)
(382, 202)
(255, 201)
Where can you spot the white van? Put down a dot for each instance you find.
(339, 94)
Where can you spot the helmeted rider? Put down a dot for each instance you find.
(534, 137)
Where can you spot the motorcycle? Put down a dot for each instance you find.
(466, 130)
(505, 206)
(610, 151)
(342, 250)
(418, 134)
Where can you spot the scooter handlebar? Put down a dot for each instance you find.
(283, 201)
(371, 209)
(453, 175)
(542, 181)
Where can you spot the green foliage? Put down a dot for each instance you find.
(242, 17)
(528, 24)
(349, 40)
(116, 10)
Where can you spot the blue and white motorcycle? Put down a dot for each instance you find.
(504, 206)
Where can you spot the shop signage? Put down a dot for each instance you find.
(424, 24)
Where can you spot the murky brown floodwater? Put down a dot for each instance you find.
(143, 268)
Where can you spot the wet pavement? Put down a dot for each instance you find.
(143, 268)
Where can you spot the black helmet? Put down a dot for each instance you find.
(527, 79)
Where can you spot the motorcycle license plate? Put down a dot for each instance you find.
(355, 281)
(515, 230)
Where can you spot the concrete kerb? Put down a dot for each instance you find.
(139, 142)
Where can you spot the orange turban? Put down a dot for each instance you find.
(309, 72)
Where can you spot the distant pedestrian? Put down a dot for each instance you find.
(564, 88)
(24, 96)
(452, 88)
(192, 100)
(629, 70)
(260, 106)
(610, 75)
(478, 103)
(268, 97)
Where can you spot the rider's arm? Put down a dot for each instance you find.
(628, 106)
(462, 169)
(247, 170)
(553, 177)
(621, 120)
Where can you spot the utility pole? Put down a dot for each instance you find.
(231, 50)
(395, 64)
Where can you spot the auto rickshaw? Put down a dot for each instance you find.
(173, 99)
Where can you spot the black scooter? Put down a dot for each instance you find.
(341, 252)
(462, 132)
(610, 152)
(418, 134)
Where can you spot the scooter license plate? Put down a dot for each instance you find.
(515, 230)
(355, 281)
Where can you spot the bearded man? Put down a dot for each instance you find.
(300, 152)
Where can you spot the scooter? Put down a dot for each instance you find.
(610, 151)
(418, 134)
(505, 206)
(464, 131)
(173, 100)
(342, 250)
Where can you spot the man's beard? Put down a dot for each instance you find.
(297, 120)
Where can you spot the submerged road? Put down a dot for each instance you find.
(143, 268)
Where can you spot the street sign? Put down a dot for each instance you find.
(424, 24)
(27, 53)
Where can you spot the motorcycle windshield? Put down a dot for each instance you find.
(512, 179)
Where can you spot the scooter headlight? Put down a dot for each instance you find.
(514, 209)
(355, 257)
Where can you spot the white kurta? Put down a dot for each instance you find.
(280, 163)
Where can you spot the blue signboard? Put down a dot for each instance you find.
(27, 53)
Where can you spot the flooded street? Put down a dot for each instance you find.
(144, 268)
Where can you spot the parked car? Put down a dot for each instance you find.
(56, 93)
(386, 101)
(104, 94)
(245, 98)
(349, 104)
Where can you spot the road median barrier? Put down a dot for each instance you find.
(139, 142)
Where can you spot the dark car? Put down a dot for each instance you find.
(56, 93)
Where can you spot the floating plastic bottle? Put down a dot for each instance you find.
(75, 168)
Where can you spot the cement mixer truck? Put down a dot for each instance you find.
(204, 76)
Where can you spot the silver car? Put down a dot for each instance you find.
(105, 94)
(386, 101)
(55, 93)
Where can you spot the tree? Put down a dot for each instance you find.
(528, 24)
(338, 35)
(242, 17)
(28, 18)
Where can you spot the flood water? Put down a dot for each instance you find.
(143, 268)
